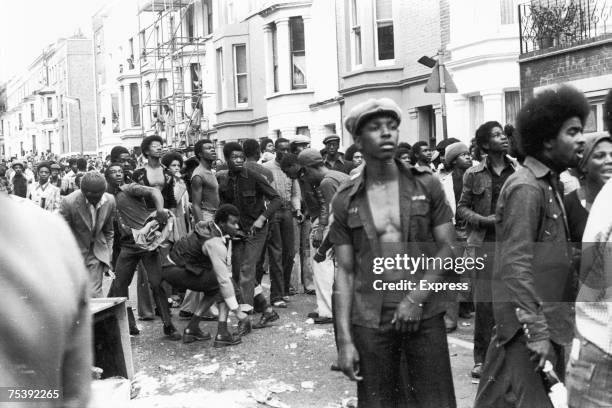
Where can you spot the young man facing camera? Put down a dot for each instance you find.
(385, 210)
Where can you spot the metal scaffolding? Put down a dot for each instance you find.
(172, 36)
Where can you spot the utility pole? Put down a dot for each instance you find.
(440, 82)
(442, 92)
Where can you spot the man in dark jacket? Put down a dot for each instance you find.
(532, 282)
(248, 191)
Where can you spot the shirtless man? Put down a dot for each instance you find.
(376, 328)
(153, 173)
(205, 201)
(204, 185)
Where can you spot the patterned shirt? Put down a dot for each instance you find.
(594, 302)
(46, 196)
(289, 190)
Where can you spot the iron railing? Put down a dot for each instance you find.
(547, 24)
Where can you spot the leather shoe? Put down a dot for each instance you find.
(323, 320)
(172, 333)
(134, 331)
(244, 327)
(185, 315)
(266, 318)
(476, 371)
(189, 336)
(313, 315)
(225, 340)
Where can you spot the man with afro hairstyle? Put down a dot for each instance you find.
(532, 292)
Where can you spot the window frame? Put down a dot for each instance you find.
(135, 108)
(293, 52)
(378, 61)
(236, 74)
(32, 113)
(221, 98)
(49, 107)
(354, 26)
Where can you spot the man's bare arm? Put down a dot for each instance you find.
(348, 358)
(196, 197)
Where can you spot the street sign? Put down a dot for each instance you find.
(433, 84)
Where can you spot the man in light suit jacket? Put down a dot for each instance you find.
(89, 213)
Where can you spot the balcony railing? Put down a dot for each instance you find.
(546, 24)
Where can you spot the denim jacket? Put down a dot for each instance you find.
(532, 281)
(475, 202)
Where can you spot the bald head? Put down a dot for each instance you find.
(93, 186)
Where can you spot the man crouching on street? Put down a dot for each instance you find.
(392, 342)
(200, 262)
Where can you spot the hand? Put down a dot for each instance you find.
(161, 216)
(541, 351)
(319, 257)
(407, 316)
(240, 315)
(489, 221)
(299, 216)
(348, 361)
(258, 224)
(317, 237)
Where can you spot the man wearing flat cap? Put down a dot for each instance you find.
(390, 209)
(19, 180)
(327, 182)
(333, 158)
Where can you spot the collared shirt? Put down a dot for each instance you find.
(287, 189)
(46, 196)
(248, 191)
(93, 209)
(476, 199)
(594, 301)
(328, 188)
(532, 258)
(339, 164)
(68, 183)
(259, 168)
(423, 206)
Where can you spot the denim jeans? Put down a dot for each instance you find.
(281, 252)
(245, 255)
(404, 370)
(589, 377)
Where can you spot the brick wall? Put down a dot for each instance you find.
(572, 65)
(445, 24)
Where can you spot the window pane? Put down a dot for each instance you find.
(299, 69)
(384, 9)
(241, 59)
(297, 33)
(358, 46)
(591, 123)
(385, 41)
(513, 104)
(243, 93)
(476, 112)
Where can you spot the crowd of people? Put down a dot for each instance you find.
(201, 234)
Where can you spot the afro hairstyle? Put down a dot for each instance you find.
(542, 117)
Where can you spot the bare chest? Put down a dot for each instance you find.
(383, 200)
(156, 177)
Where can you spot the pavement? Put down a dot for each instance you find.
(285, 365)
